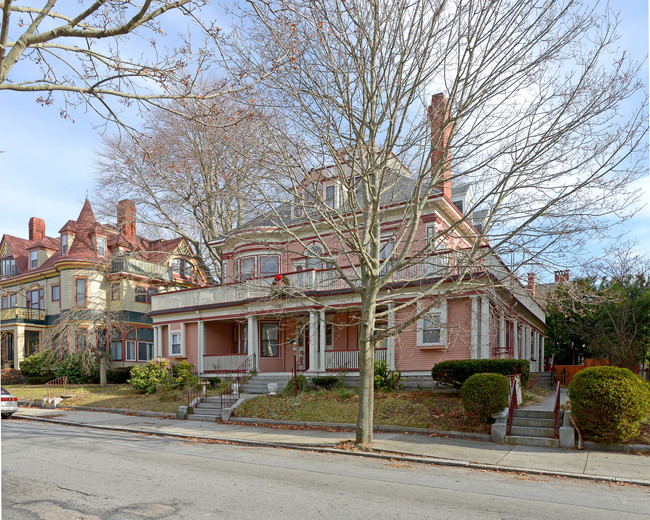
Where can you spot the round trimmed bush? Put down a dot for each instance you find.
(485, 394)
(609, 404)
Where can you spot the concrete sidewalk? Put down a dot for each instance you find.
(593, 465)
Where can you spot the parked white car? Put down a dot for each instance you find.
(9, 403)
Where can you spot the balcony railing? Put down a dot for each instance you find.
(21, 313)
(138, 267)
(312, 280)
(348, 359)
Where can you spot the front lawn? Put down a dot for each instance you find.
(111, 396)
(417, 409)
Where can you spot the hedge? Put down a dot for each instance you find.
(609, 404)
(485, 394)
(458, 371)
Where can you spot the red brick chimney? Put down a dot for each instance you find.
(36, 229)
(531, 284)
(126, 218)
(562, 276)
(440, 131)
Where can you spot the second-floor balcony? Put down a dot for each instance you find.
(137, 267)
(312, 282)
(19, 314)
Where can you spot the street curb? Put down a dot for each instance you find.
(382, 455)
(378, 428)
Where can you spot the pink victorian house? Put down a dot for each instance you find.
(281, 301)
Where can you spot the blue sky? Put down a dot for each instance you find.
(48, 162)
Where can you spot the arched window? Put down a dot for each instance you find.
(314, 253)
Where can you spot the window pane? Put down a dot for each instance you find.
(247, 268)
(140, 294)
(81, 292)
(329, 196)
(116, 350)
(270, 345)
(269, 265)
(431, 328)
(144, 351)
(56, 293)
(175, 340)
(130, 350)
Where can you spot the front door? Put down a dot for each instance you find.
(302, 353)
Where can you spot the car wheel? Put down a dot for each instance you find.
(6, 415)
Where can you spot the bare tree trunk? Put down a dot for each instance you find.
(365, 417)
(103, 363)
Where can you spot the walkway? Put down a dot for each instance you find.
(594, 465)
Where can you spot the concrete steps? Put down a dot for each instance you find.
(541, 378)
(259, 384)
(532, 428)
(209, 409)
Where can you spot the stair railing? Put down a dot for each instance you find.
(553, 374)
(57, 387)
(230, 395)
(195, 394)
(556, 411)
(512, 405)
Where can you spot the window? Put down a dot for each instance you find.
(145, 351)
(12, 300)
(116, 291)
(33, 259)
(297, 210)
(64, 245)
(386, 250)
(269, 265)
(8, 267)
(56, 293)
(329, 196)
(140, 294)
(35, 299)
(101, 246)
(116, 350)
(130, 350)
(4, 302)
(175, 347)
(313, 254)
(182, 267)
(247, 268)
(150, 292)
(80, 292)
(81, 339)
(329, 329)
(270, 340)
(431, 327)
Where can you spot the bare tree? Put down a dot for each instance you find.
(106, 53)
(541, 114)
(193, 175)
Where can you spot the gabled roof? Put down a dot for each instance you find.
(17, 248)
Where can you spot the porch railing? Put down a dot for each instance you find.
(226, 363)
(22, 313)
(57, 387)
(349, 359)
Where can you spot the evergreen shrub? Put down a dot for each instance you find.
(118, 375)
(159, 373)
(40, 367)
(326, 382)
(303, 384)
(456, 372)
(385, 378)
(485, 394)
(79, 368)
(609, 404)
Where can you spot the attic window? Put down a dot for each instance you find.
(182, 267)
(8, 267)
(101, 246)
(33, 259)
(64, 245)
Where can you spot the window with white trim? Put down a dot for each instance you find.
(432, 326)
(101, 246)
(33, 259)
(8, 267)
(64, 245)
(130, 350)
(269, 265)
(330, 200)
(175, 344)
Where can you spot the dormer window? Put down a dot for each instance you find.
(64, 245)
(329, 196)
(33, 259)
(182, 267)
(8, 267)
(101, 246)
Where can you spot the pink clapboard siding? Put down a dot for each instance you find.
(410, 357)
(219, 337)
(192, 343)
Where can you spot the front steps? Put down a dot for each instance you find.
(532, 428)
(209, 409)
(259, 384)
(541, 379)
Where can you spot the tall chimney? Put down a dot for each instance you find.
(126, 218)
(562, 276)
(36, 229)
(440, 132)
(531, 284)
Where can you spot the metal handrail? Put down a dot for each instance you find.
(512, 405)
(556, 411)
(57, 386)
(553, 374)
(194, 394)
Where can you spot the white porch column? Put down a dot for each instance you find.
(323, 341)
(157, 341)
(474, 328)
(485, 329)
(253, 345)
(201, 345)
(390, 343)
(313, 340)
(536, 356)
(515, 341)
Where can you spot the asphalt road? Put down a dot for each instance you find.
(53, 472)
